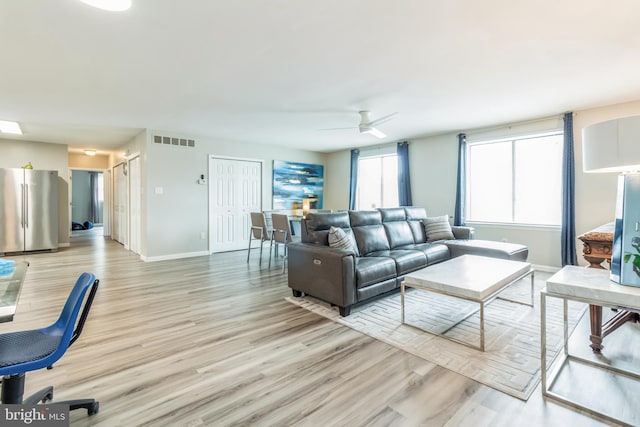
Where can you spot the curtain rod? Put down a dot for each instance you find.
(509, 125)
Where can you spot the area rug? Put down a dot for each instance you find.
(511, 360)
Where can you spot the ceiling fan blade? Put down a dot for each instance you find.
(375, 132)
(382, 119)
(352, 127)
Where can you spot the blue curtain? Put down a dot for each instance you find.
(568, 234)
(461, 186)
(353, 183)
(404, 180)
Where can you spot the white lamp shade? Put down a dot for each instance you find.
(612, 146)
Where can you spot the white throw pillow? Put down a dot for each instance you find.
(338, 238)
(438, 228)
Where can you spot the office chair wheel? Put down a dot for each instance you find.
(94, 408)
(47, 398)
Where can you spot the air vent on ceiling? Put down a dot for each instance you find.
(169, 140)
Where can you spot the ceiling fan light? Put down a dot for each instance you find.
(110, 5)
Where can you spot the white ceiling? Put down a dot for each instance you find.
(277, 71)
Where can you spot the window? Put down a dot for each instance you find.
(515, 181)
(377, 182)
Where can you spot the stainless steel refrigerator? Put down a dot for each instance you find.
(28, 210)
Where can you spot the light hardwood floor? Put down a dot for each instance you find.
(211, 341)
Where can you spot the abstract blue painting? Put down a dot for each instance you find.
(293, 182)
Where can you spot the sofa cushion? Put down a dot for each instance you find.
(315, 227)
(415, 219)
(371, 238)
(504, 250)
(370, 270)
(368, 230)
(398, 233)
(361, 218)
(376, 289)
(407, 260)
(341, 239)
(435, 252)
(438, 228)
(393, 214)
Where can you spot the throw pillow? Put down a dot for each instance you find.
(338, 238)
(438, 228)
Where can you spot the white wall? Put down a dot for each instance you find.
(15, 154)
(337, 174)
(176, 218)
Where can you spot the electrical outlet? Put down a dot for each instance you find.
(203, 235)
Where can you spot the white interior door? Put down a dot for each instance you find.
(120, 214)
(134, 204)
(106, 208)
(235, 190)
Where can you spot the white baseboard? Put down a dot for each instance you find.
(64, 245)
(173, 256)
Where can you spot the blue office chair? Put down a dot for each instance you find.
(25, 351)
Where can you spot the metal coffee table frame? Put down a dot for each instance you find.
(481, 302)
(549, 375)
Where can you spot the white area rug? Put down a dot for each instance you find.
(511, 361)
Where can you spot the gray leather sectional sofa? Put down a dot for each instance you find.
(390, 243)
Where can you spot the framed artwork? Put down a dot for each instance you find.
(295, 182)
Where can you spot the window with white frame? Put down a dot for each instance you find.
(517, 181)
(377, 182)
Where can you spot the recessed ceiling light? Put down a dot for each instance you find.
(111, 5)
(90, 152)
(10, 127)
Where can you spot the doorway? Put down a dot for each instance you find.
(127, 203)
(87, 199)
(120, 206)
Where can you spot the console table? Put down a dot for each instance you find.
(596, 249)
(592, 286)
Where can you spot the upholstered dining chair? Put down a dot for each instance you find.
(280, 235)
(25, 351)
(258, 231)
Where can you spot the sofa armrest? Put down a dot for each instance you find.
(321, 271)
(462, 232)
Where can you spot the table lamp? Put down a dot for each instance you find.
(614, 146)
(306, 205)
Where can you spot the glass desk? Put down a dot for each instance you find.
(10, 287)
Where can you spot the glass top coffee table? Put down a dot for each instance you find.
(469, 277)
(10, 286)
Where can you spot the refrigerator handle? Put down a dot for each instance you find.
(22, 203)
(26, 205)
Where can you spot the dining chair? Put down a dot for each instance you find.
(280, 235)
(258, 231)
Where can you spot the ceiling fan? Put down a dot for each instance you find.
(369, 126)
